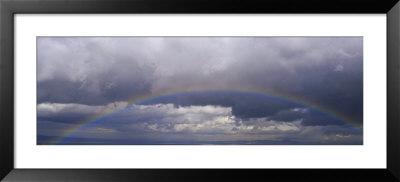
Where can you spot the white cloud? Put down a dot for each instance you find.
(168, 118)
(339, 67)
(288, 127)
(213, 123)
(101, 131)
(299, 109)
(48, 109)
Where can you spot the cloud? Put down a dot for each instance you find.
(339, 67)
(73, 113)
(195, 123)
(89, 71)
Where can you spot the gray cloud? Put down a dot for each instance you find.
(89, 72)
(194, 123)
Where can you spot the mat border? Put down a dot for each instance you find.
(9, 8)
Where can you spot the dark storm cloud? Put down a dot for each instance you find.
(111, 69)
(87, 72)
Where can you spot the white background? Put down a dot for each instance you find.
(370, 155)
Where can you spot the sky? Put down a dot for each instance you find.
(200, 90)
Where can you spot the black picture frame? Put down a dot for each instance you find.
(8, 8)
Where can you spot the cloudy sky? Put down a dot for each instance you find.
(200, 90)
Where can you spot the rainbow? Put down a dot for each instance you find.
(139, 99)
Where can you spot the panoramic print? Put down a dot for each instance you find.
(199, 90)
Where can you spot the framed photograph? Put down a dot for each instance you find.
(130, 90)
